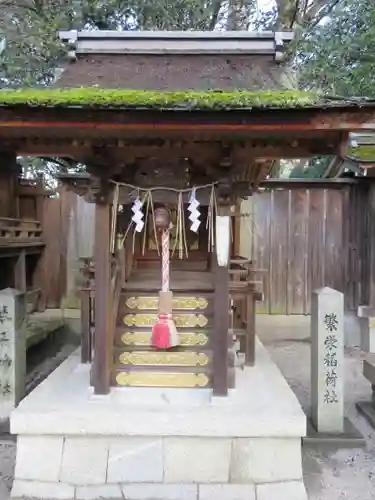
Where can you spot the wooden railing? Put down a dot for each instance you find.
(118, 279)
(87, 295)
(244, 293)
(87, 324)
(20, 232)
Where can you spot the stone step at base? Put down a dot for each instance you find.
(280, 490)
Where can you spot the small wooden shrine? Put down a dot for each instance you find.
(139, 110)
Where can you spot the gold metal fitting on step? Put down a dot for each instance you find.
(143, 303)
(158, 379)
(181, 320)
(144, 339)
(145, 358)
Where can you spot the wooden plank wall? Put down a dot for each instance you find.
(305, 237)
(296, 234)
(56, 229)
(359, 235)
(68, 234)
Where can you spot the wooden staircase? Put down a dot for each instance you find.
(133, 361)
(136, 363)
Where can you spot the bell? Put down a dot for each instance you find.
(162, 218)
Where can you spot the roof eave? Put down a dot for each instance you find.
(176, 42)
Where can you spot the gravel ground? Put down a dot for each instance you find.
(329, 475)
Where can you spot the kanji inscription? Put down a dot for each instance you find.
(6, 360)
(331, 322)
(327, 360)
(330, 358)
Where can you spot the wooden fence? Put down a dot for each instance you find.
(68, 226)
(306, 236)
(56, 219)
(296, 234)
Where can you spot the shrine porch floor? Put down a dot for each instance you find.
(185, 280)
(160, 444)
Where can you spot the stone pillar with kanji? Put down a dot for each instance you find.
(327, 361)
(12, 350)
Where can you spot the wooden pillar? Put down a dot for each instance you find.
(221, 316)
(358, 243)
(86, 347)
(250, 329)
(9, 173)
(103, 315)
(368, 246)
(39, 200)
(39, 281)
(236, 229)
(20, 283)
(221, 329)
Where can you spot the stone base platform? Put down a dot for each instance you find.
(350, 438)
(160, 444)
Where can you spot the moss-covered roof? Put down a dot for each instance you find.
(191, 100)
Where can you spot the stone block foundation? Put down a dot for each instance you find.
(169, 468)
(157, 445)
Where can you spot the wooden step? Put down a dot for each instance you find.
(136, 338)
(135, 362)
(185, 320)
(182, 301)
(181, 281)
(157, 359)
(156, 378)
(200, 359)
(139, 310)
(197, 265)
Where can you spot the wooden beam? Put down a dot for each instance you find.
(338, 183)
(270, 152)
(28, 120)
(30, 191)
(103, 314)
(6, 252)
(200, 151)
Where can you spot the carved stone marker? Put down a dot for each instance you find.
(327, 361)
(12, 350)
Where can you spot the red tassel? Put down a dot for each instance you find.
(161, 335)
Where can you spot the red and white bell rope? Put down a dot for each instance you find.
(165, 260)
(164, 332)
